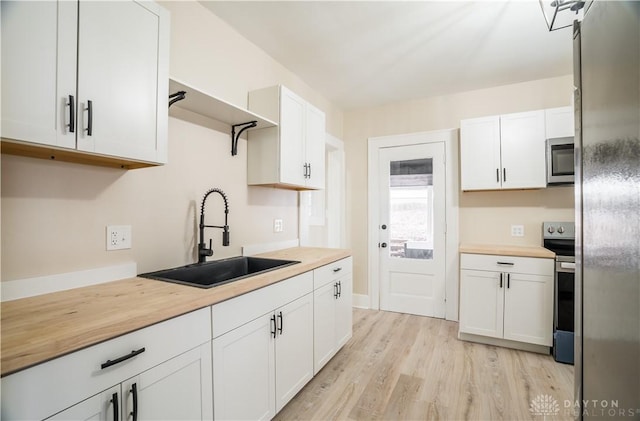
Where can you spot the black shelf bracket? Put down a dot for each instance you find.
(178, 96)
(235, 136)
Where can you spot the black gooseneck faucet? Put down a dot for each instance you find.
(203, 251)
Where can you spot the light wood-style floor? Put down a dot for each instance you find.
(404, 367)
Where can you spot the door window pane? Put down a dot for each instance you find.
(411, 209)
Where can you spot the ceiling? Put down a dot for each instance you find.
(368, 53)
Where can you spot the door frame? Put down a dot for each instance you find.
(450, 139)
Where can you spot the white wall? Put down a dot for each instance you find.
(54, 214)
(485, 217)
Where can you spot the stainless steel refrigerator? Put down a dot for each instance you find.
(607, 79)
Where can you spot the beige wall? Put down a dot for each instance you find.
(54, 214)
(485, 217)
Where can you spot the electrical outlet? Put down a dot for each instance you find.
(517, 230)
(277, 225)
(118, 237)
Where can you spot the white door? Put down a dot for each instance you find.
(292, 162)
(39, 54)
(294, 348)
(523, 150)
(244, 372)
(528, 313)
(412, 229)
(123, 97)
(482, 302)
(178, 389)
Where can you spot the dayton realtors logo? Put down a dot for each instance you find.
(547, 406)
(544, 405)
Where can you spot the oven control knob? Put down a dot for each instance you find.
(560, 230)
(551, 230)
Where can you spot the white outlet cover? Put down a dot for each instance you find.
(517, 230)
(277, 225)
(118, 237)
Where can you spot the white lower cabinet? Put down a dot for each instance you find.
(261, 364)
(332, 319)
(169, 363)
(176, 389)
(507, 297)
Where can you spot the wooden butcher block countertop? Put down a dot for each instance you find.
(502, 250)
(37, 329)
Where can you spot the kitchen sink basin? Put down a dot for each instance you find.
(218, 272)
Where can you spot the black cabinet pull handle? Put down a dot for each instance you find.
(339, 288)
(118, 360)
(508, 280)
(505, 263)
(89, 118)
(335, 290)
(504, 175)
(501, 274)
(273, 325)
(497, 175)
(116, 409)
(72, 114)
(280, 324)
(337, 270)
(305, 171)
(134, 394)
(309, 170)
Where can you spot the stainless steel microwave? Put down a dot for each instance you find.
(560, 166)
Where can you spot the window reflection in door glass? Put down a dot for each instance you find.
(411, 209)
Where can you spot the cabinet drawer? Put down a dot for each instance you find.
(497, 263)
(235, 312)
(57, 384)
(332, 272)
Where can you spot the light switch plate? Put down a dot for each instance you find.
(517, 230)
(118, 237)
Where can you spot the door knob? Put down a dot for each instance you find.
(383, 226)
(383, 245)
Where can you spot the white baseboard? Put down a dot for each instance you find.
(361, 301)
(254, 249)
(29, 287)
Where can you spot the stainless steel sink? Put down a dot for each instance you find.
(218, 272)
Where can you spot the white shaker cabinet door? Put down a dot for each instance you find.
(480, 153)
(324, 322)
(244, 372)
(39, 42)
(314, 147)
(344, 311)
(528, 311)
(481, 303)
(292, 137)
(523, 150)
(559, 122)
(122, 83)
(294, 348)
(178, 389)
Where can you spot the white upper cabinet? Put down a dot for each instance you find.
(559, 122)
(503, 152)
(290, 155)
(87, 76)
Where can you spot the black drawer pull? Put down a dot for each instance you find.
(337, 270)
(116, 409)
(280, 324)
(134, 393)
(90, 118)
(505, 263)
(72, 114)
(109, 363)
